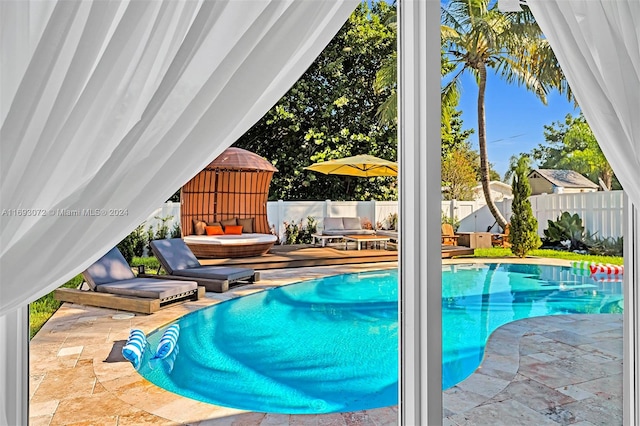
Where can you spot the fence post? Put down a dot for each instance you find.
(373, 217)
(280, 219)
(327, 209)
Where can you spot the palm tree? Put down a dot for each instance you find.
(476, 37)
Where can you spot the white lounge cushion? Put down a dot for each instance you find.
(230, 240)
(333, 223)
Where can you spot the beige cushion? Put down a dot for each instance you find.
(247, 225)
(333, 223)
(351, 223)
(214, 224)
(227, 222)
(198, 226)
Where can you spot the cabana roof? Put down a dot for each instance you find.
(240, 159)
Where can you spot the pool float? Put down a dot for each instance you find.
(133, 350)
(168, 342)
(606, 269)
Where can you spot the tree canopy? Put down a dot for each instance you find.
(572, 145)
(477, 36)
(330, 112)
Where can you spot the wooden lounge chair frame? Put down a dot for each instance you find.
(115, 270)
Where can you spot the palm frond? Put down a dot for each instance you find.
(387, 112)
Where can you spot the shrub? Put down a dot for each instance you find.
(523, 231)
(567, 227)
(161, 232)
(392, 221)
(133, 244)
(453, 221)
(299, 233)
(176, 232)
(604, 246)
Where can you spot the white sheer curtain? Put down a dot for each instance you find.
(108, 107)
(114, 105)
(597, 43)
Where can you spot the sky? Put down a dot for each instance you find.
(515, 117)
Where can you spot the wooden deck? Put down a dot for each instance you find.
(307, 255)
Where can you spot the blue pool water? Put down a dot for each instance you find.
(331, 345)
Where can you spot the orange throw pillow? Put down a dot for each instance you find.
(233, 229)
(214, 230)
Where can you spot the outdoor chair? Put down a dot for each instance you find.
(178, 260)
(449, 238)
(113, 285)
(501, 240)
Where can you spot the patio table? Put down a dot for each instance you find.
(359, 239)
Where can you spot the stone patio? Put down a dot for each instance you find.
(550, 370)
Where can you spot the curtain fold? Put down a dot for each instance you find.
(117, 103)
(597, 43)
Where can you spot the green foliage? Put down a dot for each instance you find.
(392, 221)
(476, 36)
(133, 244)
(604, 246)
(498, 252)
(300, 233)
(330, 112)
(150, 263)
(572, 146)
(523, 233)
(41, 310)
(453, 221)
(176, 232)
(161, 232)
(567, 227)
(459, 176)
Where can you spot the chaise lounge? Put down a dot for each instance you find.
(180, 263)
(113, 285)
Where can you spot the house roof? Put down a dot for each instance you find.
(564, 178)
(495, 184)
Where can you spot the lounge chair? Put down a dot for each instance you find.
(180, 263)
(501, 240)
(113, 285)
(449, 238)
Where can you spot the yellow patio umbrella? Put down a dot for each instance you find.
(359, 165)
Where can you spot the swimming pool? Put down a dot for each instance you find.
(330, 345)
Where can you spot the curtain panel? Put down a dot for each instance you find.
(597, 43)
(108, 107)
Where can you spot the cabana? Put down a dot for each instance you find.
(232, 190)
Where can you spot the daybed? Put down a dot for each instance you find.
(228, 238)
(221, 246)
(178, 260)
(113, 285)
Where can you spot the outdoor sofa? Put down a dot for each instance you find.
(340, 226)
(112, 284)
(180, 263)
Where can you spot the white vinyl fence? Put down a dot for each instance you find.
(601, 212)
(279, 212)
